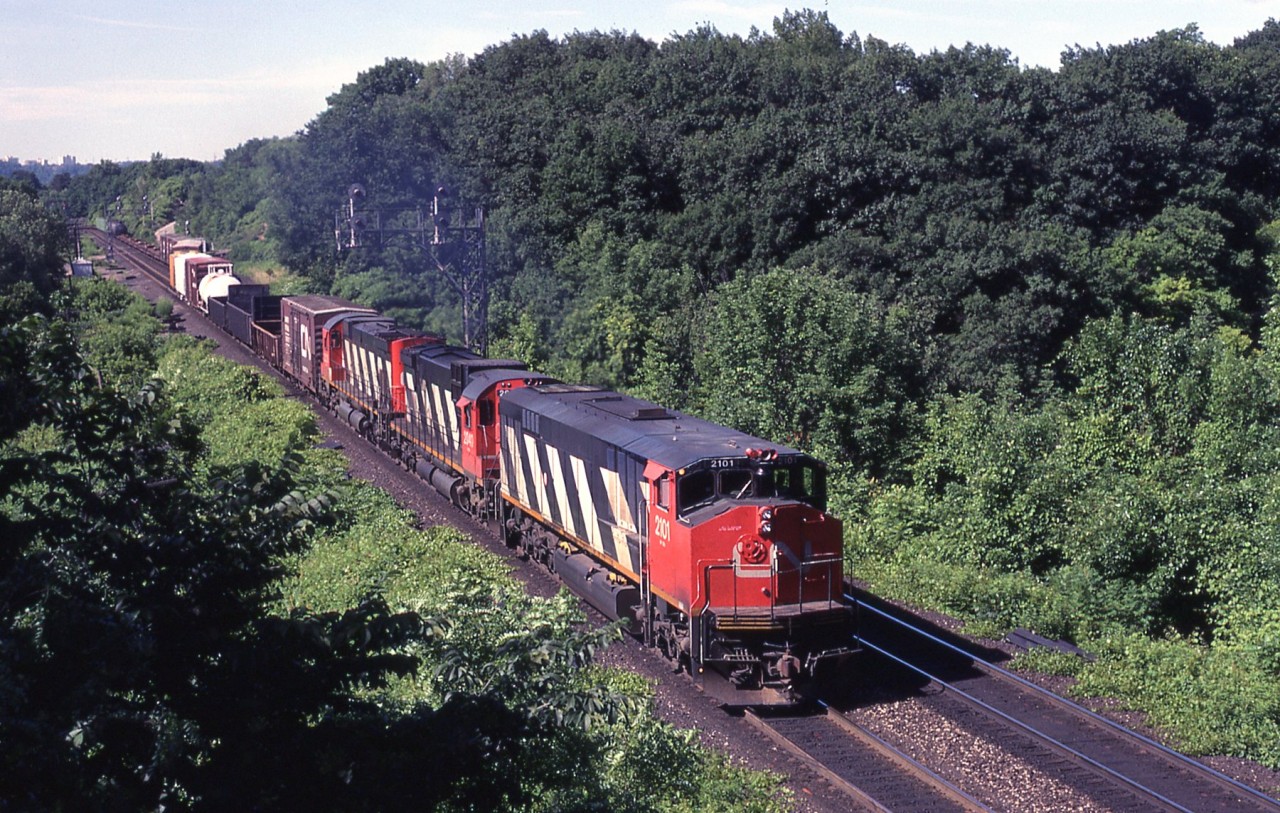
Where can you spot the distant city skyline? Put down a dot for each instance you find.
(65, 161)
(124, 82)
(43, 169)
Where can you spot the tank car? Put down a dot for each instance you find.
(215, 281)
(174, 250)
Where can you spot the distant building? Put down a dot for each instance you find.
(43, 170)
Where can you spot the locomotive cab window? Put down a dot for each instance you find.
(663, 487)
(487, 414)
(815, 486)
(802, 482)
(735, 483)
(696, 489)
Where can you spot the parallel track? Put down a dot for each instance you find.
(860, 764)
(135, 255)
(1109, 763)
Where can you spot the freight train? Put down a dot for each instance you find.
(713, 546)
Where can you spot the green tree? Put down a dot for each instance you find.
(118, 332)
(802, 361)
(33, 246)
(1181, 265)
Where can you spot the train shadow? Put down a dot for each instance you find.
(874, 678)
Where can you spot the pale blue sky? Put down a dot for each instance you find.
(123, 80)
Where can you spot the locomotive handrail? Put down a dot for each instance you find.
(734, 567)
(834, 590)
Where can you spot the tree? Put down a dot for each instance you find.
(33, 244)
(142, 668)
(1181, 265)
(800, 360)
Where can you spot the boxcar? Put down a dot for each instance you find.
(302, 320)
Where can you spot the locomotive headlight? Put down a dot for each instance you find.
(766, 521)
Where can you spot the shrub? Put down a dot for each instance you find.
(1214, 700)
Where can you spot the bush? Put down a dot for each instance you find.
(243, 414)
(1213, 700)
(117, 333)
(493, 637)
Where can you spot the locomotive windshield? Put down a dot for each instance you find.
(744, 480)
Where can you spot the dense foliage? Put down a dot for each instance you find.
(986, 210)
(33, 244)
(1025, 314)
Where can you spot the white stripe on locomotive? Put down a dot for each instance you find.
(559, 487)
(591, 533)
(622, 514)
(512, 482)
(537, 496)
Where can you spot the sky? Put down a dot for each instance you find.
(126, 80)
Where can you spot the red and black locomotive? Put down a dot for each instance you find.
(712, 545)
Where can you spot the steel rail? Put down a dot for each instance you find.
(837, 781)
(944, 786)
(1180, 759)
(908, 770)
(1038, 735)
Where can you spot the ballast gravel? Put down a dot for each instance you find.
(982, 768)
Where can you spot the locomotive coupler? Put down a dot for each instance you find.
(789, 667)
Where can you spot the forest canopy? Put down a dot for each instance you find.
(991, 208)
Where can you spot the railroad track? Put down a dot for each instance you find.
(135, 255)
(860, 764)
(1006, 744)
(1114, 767)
